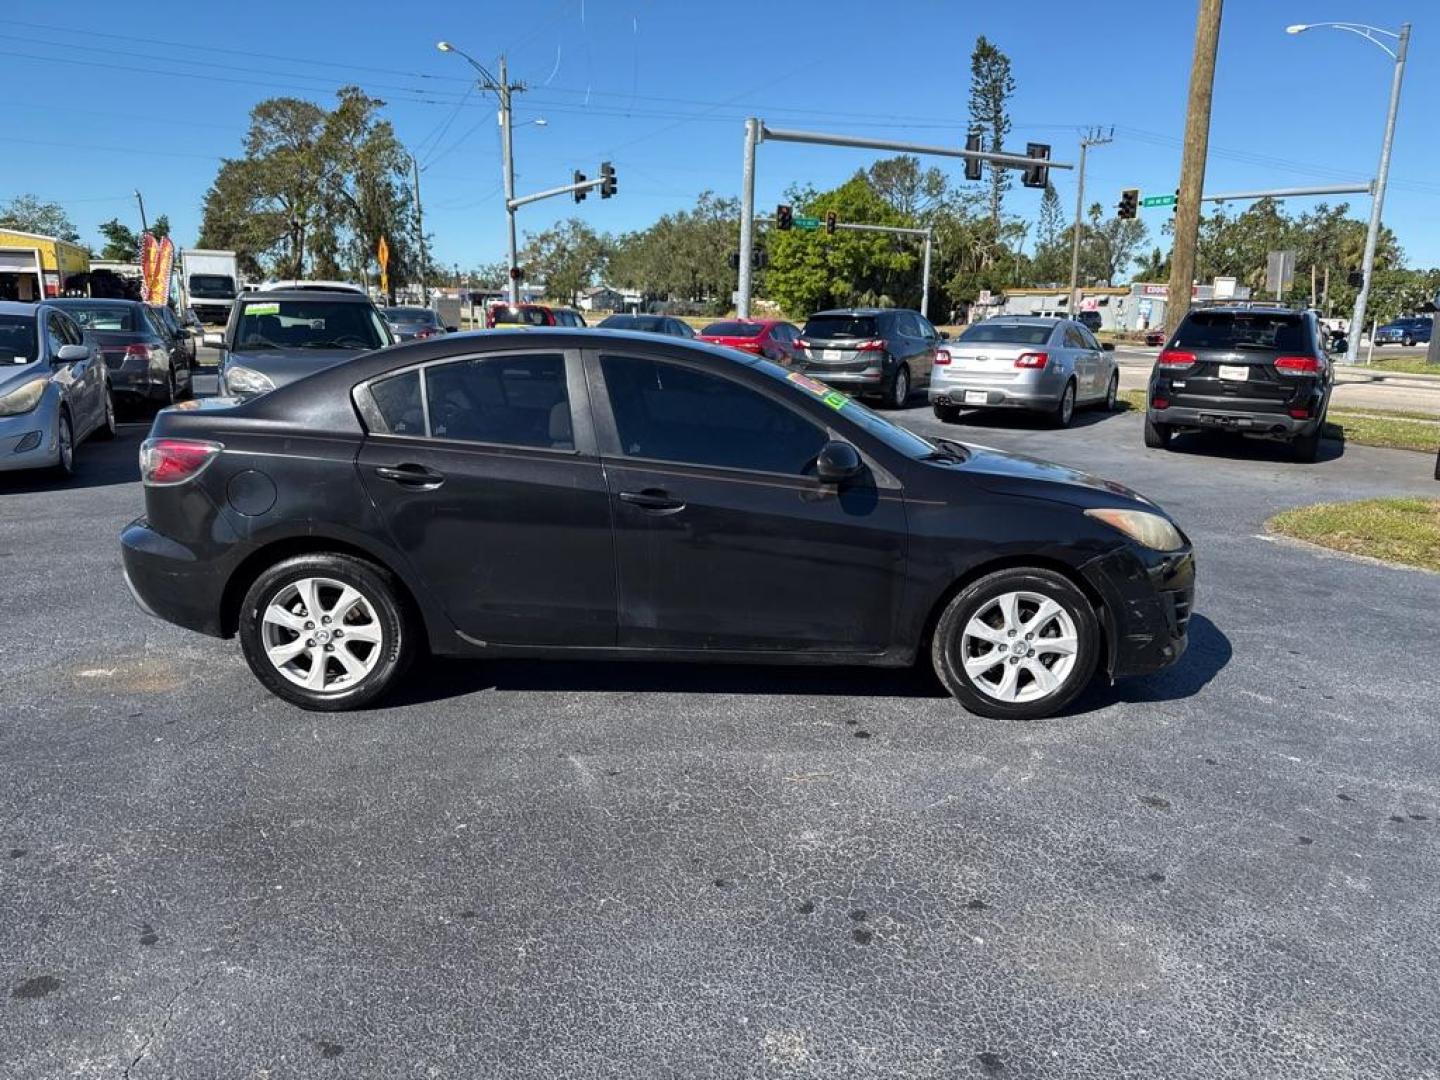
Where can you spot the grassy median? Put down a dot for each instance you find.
(1403, 531)
(1408, 365)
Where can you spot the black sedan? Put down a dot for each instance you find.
(565, 493)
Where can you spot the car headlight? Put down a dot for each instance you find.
(23, 400)
(244, 380)
(1147, 530)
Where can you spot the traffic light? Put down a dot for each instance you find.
(1129, 205)
(734, 260)
(516, 273)
(1036, 175)
(830, 222)
(972, 165)
(580, 193)
(761, 259)
(784, 217)
(1174, 206)
(607, 179)
(1355, 278)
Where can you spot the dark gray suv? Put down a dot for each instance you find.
(881, 352)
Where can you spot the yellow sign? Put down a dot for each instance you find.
(382, 253)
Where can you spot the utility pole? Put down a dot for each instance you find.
(1091, 138)
(509, 166)
(1192, 163)
(144, 226)
(419, 229)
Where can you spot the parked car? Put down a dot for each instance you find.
(1050, 366)
(500, 316)
(54, 389)
(1407, 332)
(872, 351)
(142, 363)
(649, 324)
(1090, 320)
(642, 498)
(773, 339)
(1260, 372)
(177, 335)
(274, 338)
(410, 323)
(1154, 337)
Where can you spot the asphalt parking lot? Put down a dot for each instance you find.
(558, 870)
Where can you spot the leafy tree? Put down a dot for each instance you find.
(1051, 262)
(1108, 245)
(121, 243)
(1154, 266)
(684, 255)
(26, 213)
(991, 85)
(568, 256)
(907, 188)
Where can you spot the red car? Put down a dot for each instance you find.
(774, 339)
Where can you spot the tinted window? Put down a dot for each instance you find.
(398, 399)
(510, 400)
(674, 413)
(113, 317)
(1091, 342)
(681, 329)
(926, 329)
(1242, 329)
(411, 314)
(733, 329)
(309, 324)
(840, 326)
(1074, 339)
(54, 336)
(212, 287)
(1007, 333)
(18, 343)
(71, 331)
(525, 316)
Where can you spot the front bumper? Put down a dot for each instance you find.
(31, 440)
(168, 581)
(1148, 598)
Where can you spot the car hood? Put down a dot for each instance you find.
(286, 365)
(1018, 474)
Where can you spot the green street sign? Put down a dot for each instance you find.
(808, 224)
(1157, 200)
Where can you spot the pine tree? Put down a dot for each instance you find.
(990, 88)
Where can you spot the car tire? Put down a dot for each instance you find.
(1407, 341)
(898, 392)
(277, 621)
(1157, 436)
(107, 429)
(1112, 392)
(1306, 448)
(188, 392)
(1064, 411)
(988, 620)
(64, 467)
(949, 414)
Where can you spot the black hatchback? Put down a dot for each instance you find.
(589, 494)
(1255, 371)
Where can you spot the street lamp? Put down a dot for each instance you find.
(502, 88)
(1372, 34)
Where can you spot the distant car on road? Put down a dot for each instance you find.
(1259, 372)
(1051, 366)
(648, 324)
(1154, 337)
(142, 360)
(275, 338)
(1407, 332)
(1090, 320)
(412, 323)
(882, 352)
(54, 389)
(587, 494)
(500, 316)
(773, 339)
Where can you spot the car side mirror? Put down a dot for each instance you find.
(1108, 346)
(71, 354)
(213, 341)
(837, 462)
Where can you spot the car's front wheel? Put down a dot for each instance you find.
(326, 631)
(64, 446)
(1017, 644)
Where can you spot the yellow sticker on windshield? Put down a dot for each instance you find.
(262, 309)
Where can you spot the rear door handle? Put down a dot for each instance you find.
(653, 499)
(416, 476)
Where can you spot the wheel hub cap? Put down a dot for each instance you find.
(1019, 647)
(322, 634)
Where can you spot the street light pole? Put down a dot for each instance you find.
(1382, 175)
(144, 226)
(419, 229)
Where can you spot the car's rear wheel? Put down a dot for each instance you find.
(950, 414)
(1017, 644)
(1065, 410)
(1306, 448)
(1407, 341)
(898, 393)
(1157, 436)
(325, 632)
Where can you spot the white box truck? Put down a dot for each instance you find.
(210, 280)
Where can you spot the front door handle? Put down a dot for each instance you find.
(653, 499)
(416, 476)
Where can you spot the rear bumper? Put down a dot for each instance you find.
(169, 581)
(1016, 397)
(1268, 425)
(871, 377)
(1148, 597)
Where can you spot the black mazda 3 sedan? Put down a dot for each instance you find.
(584, 494)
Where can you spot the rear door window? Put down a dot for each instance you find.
(504, 400)
(1074, 339)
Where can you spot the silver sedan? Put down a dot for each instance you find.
(1051, 366)
(54, 389)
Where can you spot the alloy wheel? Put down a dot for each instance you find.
(322, 634)
(1019, 647)
(1112, 392)
(1067, 404)
(65, 438)
(900, 391)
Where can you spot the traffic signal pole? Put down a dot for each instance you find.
(747, 219)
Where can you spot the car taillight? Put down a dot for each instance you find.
(164, 462)
(942, 356)
(1159, 403)
(1297, 365)
(801, 343)
(878, 345)
(1174, 358)
(1300, 414)
(426, 331)
(138, 350)
(1032, 360)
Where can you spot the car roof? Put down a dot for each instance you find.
(67, 301)
(859, 311)
(1029, 320)
(1244, 309)
(345, 296)
(306, 285)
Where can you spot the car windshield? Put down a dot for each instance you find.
(841, 326)
(212, 286)
(525, 316)
(891, 434)
(733, 329)
(112, 317)
(18, 343)
(1240, 330)
(309, 324)
(410, 314)
(1006, 333)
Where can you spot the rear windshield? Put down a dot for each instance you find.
(18, 344)
(309, 324)
(1007, 333)
(526, 316)
(409, 314)
(652, 324)
(212, 286)
(106, 317)
(733, 329)
(1242, 330)
(841, 326)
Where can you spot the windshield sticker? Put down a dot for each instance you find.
(835, 399)
(263, 309)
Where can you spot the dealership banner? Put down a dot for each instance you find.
(157, 259)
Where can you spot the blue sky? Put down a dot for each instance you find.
(98, 106)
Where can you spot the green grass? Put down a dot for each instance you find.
(1408, 365)
(1405, 531)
